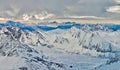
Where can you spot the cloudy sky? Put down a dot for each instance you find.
(101, 9)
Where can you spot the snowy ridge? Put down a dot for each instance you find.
(53, 46)
(12, 46)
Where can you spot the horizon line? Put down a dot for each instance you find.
(83, 21)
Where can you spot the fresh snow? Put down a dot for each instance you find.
(54, 46)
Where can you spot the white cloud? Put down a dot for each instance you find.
(117, 1)
(114, 9)
(89, 17)
(58, 8)
(40, 16)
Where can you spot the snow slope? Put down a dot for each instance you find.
(53, 46)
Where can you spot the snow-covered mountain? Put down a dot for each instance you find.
(65, 46)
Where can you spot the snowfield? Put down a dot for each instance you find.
(65, 46)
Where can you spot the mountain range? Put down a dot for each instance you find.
(55, 46)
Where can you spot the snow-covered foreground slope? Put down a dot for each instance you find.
(53, 46)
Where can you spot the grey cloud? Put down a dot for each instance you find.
(60, 8)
